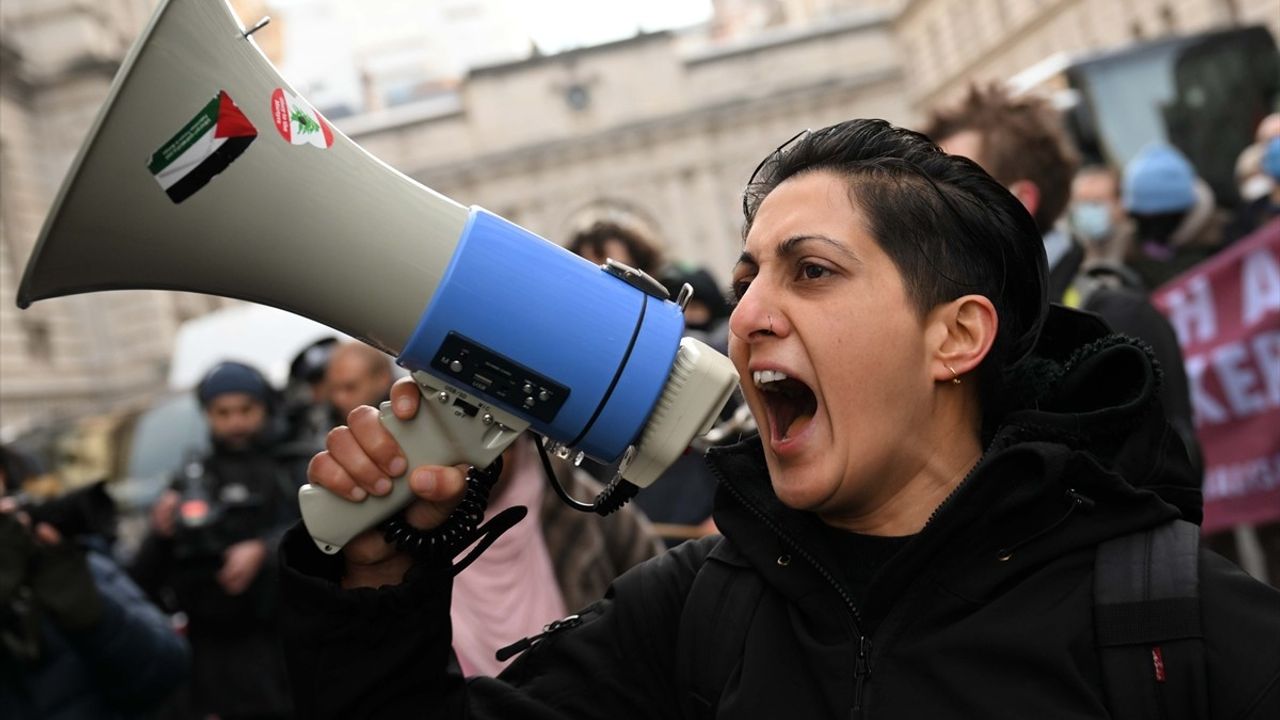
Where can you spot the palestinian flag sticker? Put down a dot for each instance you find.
(298, 122)
(204, 147)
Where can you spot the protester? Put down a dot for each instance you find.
(1264, 205)
(1020, 142)
(77, 638)
(357, 374)
(210, 553)
(706, 316)
(554, 561)
(913, 534)
(605, 239)
(306, 406)
(1176, 222)
(1107, 286)
(1096, 217)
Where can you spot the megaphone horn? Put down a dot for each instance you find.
(206, 172)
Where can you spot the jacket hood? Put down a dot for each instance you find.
(1086, 457)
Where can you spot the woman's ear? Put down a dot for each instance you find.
(963, 332)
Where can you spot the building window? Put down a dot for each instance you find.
(578, 96)
(1168, 18)
(1135, 30)
(39, 341)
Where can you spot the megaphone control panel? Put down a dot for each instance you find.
(471, 364)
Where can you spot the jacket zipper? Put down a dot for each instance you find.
(523, 644)
(862, 664)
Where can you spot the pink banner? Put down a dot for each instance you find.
(1226, 312)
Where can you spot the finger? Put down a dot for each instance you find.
(347, 451)
(377, 442)
(405, 397)
(327, 473)
(440, 490)
(435, 483)
(48, 534)
(224, 577)
(367, 548)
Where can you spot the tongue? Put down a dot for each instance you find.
(793, 421)
(792, 410)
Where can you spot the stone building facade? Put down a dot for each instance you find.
(68, 357)
(954, 42)
(79, 354)
(641, 130)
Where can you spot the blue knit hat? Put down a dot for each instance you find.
(1159, 180)
(1271, 158)
(232, 377)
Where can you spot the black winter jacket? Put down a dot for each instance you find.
(985, 613)
(124, 666)
(237, 662)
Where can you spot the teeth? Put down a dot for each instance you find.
(764, 377)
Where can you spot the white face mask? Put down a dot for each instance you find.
(1091, 221)
(1255, 187)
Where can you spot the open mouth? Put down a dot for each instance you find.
(789, 402)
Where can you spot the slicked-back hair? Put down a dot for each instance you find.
(948, 226)
(1021, 138)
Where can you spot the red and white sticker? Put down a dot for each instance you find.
(298, 122)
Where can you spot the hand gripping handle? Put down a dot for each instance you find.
(450, 428)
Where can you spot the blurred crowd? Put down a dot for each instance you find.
(187, 626)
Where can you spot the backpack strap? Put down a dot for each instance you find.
(1146, 598)
(713, 629)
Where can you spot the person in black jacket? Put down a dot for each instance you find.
(210, 553)
(78, 640)
(912, 534)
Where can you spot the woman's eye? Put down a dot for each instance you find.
(813, 272)
(739, 288)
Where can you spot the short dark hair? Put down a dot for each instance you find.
(947, 225)
(644, 253)
(1022, 139)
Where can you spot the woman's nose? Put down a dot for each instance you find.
(754, 317)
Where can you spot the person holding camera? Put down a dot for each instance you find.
(211, 547)
(77, 638)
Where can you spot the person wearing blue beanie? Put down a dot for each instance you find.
(210, 550)
(1173, 212)
(233, 377)
(1159, 180)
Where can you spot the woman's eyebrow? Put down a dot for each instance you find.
(795, 244)
(746, 258)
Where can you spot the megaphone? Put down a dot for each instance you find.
(206, 172)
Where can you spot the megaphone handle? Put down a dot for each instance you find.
(441, 434)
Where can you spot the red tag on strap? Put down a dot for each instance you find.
(1157, 661)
